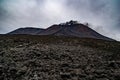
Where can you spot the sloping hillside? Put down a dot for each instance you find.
(73, 29)
(69, 29)
(26, 57)
(26, 30)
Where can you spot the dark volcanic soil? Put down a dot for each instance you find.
(24, 57)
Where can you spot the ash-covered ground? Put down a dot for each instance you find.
(25, 57)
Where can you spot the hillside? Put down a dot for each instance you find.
(69, 29)
(26, 30)
(27, 57)
(73, 29)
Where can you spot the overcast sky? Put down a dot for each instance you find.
(103, 15)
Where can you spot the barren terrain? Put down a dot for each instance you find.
(25, 57)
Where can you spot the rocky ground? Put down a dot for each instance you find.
(25, 57)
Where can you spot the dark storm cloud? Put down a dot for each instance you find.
(103, 14)
(3, 16)
(118, 12)
(92, 5)
(2, 11)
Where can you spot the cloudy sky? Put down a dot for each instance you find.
(103, 15)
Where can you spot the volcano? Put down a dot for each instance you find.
(68, 51)
(73, 29)
(68, 29)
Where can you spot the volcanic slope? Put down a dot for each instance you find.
(73, 29)
(34, 57)
(26, 30)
